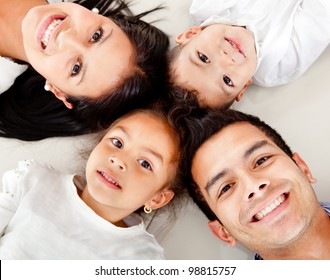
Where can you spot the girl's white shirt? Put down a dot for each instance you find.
(43, 217)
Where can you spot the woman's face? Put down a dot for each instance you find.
(79, 52)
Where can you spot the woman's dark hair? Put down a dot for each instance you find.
(28, 112)
(201, 125)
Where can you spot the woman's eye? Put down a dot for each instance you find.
(203, 57)
(117, 143)
(145, 164)
(76, 69)
(97, 36)
(228, 81)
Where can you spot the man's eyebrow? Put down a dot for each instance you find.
(210, 183)
(255, 147)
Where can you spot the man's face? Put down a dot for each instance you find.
(261, 196)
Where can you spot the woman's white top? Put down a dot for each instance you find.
(43, 217)
(289, 34)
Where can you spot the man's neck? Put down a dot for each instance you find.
(314, 243)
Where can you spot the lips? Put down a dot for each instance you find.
(110, 179)
(270, 208)
(235, 45)
(47, 29)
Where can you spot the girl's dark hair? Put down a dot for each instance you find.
(201, 125)
(28, 112)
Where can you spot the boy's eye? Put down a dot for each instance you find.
(203, 57)
(97, 36)
(117, 143)
(227, 81)
(76, 69)
(145, 164)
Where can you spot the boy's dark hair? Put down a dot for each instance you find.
(28, 112)
(204, 124)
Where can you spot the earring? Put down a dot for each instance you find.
(95, 10)
(46, 87)
(147, 209)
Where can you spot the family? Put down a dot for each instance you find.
(166, 126)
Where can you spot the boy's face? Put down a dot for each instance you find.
(262, 197)
(131, 163)
(218, 61)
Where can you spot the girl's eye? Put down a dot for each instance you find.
(203, 57)
(76, 69)
(145, 164)
(228, 81)
(117, 143)
(96, 36)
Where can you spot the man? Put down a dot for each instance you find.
(253, 189)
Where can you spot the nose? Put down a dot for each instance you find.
(226, 59)
(255, 187)
(118, 164)
(69, 40)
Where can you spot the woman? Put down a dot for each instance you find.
(98, 66)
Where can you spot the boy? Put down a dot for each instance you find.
(269, 43)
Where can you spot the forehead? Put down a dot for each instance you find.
(231, 142)
(147, 128)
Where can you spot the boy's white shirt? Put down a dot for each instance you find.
(289, 34)
(43, 217)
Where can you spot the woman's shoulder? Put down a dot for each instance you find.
(9, 71)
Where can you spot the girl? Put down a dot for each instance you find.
(48, 215)
(98, 66)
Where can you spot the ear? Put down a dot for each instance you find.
(241, 93)
(220, 232)
(161, 199)
(186, 36)
(303, 166)
(60, 95)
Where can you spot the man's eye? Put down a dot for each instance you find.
(261, 161)
(203, 57)
(76, 69)
(117, 143)
(228, 81)
(97, 36)
(145, 164)
(225, 189)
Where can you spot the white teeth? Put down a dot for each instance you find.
(48, 31)
(110, 179)
(269, 208)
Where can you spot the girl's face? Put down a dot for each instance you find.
(79, 52)
(131, 164)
